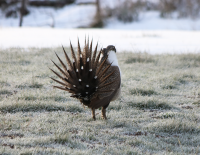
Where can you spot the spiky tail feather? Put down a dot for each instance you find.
(85, 75)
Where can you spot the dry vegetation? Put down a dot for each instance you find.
(157, 113)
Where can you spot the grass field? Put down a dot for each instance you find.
(158, 111)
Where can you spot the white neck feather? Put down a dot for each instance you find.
(112, 58)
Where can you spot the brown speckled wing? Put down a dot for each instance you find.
(106, 94)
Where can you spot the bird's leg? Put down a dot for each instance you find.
(93, 114)
(103, 113)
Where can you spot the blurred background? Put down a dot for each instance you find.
(108, 14)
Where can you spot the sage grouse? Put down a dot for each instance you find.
(93, 78)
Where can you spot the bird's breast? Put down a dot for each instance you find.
(112, 58)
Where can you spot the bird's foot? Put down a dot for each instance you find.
(103, 113)
(93, 114)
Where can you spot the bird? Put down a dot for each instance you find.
(92, 77)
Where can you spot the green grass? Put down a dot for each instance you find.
(143, 92)
(150, 104)
(157, 113)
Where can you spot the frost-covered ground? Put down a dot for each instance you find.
(158, 112)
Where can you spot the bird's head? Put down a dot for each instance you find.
(111, 48)
(106, 51)
(109, 51)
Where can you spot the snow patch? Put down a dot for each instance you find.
(153, 42)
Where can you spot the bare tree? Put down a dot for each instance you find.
(98, 12)
(98, 18)
(22, 10)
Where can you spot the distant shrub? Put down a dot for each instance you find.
(189, 8)
(166, 7)
(126, 11)
(184, 8)
(11, 8)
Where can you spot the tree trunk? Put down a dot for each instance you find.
(98, 13)
(98, 19)
(22, 12)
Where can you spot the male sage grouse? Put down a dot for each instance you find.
(94, 80)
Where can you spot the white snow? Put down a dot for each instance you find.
(157, 41)
(151, 21)
(74, 16)
(150, 34)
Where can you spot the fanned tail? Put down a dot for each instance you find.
(85, 75)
